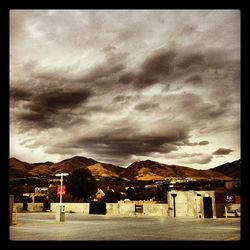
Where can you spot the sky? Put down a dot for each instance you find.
(121, 86)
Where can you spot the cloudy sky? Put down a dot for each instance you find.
(120, 86)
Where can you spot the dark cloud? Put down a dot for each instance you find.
(196, 79)
(156, 66)
(160, 63)
(195, 59)
(36, 121)
(32, 117)
(223, 151)
(202, 143)
(40, 121)
(17, 94)
(146, 105)
(126, 147)
(122, 98)
(160, 66)
(49, 109)
(109, 48)
(126, 78)
(121, 143)
(128, 141)
(197, 108)
(80, 76)
(63, 99)
(116, 58)
(55, 100)
(166, 65)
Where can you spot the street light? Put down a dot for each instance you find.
(62, 174)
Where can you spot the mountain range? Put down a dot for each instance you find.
(141, 170)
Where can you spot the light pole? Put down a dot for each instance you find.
(174, 195)
(60, 204)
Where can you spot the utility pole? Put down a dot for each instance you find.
(60, 213)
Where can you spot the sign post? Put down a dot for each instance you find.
(60, 214)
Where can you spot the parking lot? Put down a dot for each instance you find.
(77, 226)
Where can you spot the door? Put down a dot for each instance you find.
(25, 206)
(97, 208)
(208, 211)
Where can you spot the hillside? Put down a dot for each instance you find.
(70, 164)
(150, 170)
(18, 168)
(23, 169)
(140, 170)
(99, 169)
(231, 169)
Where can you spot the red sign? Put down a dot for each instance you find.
(237, 199)
(63, 189)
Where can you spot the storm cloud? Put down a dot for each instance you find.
(222, 151)
(47, 108)
(127, 141)
(123, 85)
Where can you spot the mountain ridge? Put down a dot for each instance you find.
(231, 169)
(140, 170)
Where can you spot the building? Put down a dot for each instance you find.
(192, 203)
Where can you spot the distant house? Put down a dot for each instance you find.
(232, 184)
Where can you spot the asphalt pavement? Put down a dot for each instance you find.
(77, 226)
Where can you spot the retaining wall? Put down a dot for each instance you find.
(112, 208)
(116, 208)
(18, 206)
(72, 207)
(35, 207)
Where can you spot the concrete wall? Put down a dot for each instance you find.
(31, 207)
(126, 209)
(18, 206)
(116, 208)
(72, 207)
(35, 207)
(112, 208)
(149, 208)
(188, 204)
(155, 209)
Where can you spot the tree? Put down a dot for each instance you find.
(81, 184)
(52, 194)
(131, 194)
(112, 196)
(19, 189)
